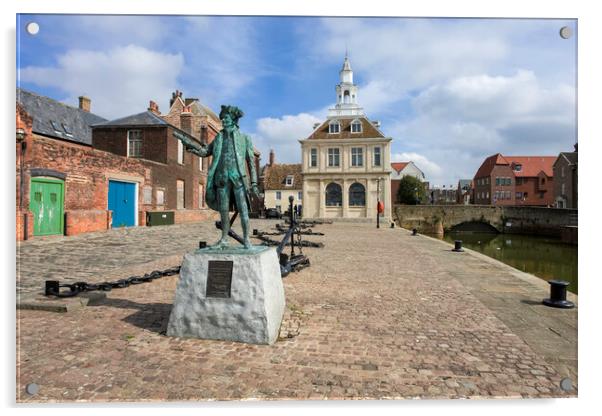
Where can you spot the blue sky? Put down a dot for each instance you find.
(448, 91)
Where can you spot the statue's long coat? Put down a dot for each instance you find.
(243, 149)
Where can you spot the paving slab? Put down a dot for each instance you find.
(378, 315)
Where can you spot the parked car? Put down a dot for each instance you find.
(273, 213)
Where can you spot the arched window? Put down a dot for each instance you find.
(346, 98)
(356, 126)
(334, 195)
(334, 127)
(357, 195)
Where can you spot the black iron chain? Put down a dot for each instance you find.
(53, 287)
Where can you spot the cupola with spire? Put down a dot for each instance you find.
(346, 93)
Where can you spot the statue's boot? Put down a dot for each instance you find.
(222, 243)
(247, 243)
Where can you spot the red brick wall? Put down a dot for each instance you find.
(185, 215)
(502, 171)
(114, 140)
(87, 172)
(20, 222)
(24, 122)
(84, 221)
(533, 186)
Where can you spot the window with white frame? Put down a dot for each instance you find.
(334, 156)
(180, 152)
(300, 195)
(147, 195)
(160, 196)
(201, 196)
(134, 143)
(334, 127)
(278, 195)
(356, 126)
(377, 156)
(313, 157)
(180, 193)
(289, 180)
(357, 156)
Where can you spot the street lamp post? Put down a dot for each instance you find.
(377, 202)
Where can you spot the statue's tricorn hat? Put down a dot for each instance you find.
(235, 112)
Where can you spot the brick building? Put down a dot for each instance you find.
(61, 179)
(190, 115)
(565, 180)
(175, 179)
(515, 180)
(279, 182)
(464, 192)
(85, 173)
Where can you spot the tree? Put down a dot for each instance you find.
(411, 190)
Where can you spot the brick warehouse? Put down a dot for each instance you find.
(515, 180)
(71, 181)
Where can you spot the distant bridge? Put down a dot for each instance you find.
(503, 219)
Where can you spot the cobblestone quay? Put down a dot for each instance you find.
(379, 315)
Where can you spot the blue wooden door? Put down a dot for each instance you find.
(122, 201)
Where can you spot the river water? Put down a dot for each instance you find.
(545, 257)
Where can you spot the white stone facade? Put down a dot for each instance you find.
(346, 169)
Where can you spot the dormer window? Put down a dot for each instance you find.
(67, 130)
(356, 126)
(289, 180)
(334, 127)
(56, 127)
(518, 167)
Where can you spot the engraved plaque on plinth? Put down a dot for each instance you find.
(219, 279)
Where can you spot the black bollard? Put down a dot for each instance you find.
(458, 246)
(414, 231)
(557, 297)
(202, 244)
(255, 231)
(392, 225)
(52, 287)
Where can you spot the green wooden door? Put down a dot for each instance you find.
(46, 204)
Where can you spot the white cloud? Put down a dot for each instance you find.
(283, 135)
(120, 81)
(497, 100)
(460, 122)
(394, 56)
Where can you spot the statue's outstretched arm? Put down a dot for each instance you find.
(192, 146)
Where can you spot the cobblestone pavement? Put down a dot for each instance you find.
(378, 315)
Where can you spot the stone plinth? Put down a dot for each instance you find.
(249, 309)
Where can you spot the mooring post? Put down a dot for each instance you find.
(557, 297)
(458, 246)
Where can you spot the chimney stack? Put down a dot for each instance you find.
(174, 95)
(272, 157)
(84, 103)
(153, 107)
(204, 134)
(186, 120)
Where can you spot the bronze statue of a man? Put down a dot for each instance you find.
(228, 180)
